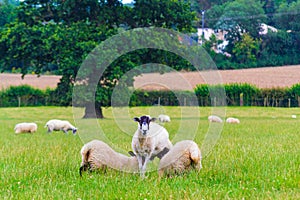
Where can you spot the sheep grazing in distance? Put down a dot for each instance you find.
(232, 120)
(183, 156)
(164, 118)
(214, 118)
(25, 127)
(149, 141)
(60, 125)
(98, 155)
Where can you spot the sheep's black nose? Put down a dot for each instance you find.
(144, 132)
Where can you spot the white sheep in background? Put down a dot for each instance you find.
(25, 127)
(182, 157)
(60, 125)
(214, 118)
(98, 155)
(149, 140)
(164, 118)
(232, 120)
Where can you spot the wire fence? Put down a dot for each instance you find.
(207, 101)
(164, 100)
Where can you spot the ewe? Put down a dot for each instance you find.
(98, 155)
(183, 156)
(232, 120)
(25, 127)
(149, 140)
(60, 125)
(214, 118)
(164, 118)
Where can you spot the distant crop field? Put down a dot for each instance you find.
(265, 77)
(256, 159)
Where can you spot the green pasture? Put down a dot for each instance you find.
(257, 159)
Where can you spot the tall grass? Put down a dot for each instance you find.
(257, 159)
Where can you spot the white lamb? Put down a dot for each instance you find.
(149, 140)
(25, 127)
(164, 118)
(214, 118)
(182, 157)
(98, 155)
(60, 125)
(232, 120)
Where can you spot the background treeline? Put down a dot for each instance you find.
(41, 24)
(236, 95)
(247, 47)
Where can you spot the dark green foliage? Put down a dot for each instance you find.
(294, 92)
(24, 96)
(234, 92)
(7, 12)
(249, 95)
(288, 16)
(63, 33)
(163, 13)
(203, 95)
(171, 98)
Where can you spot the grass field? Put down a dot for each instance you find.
(257, 159)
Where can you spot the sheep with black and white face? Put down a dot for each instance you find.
(150, 140)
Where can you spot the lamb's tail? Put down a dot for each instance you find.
(196, 157)
(85, 153)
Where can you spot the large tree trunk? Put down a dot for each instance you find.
(93, 110)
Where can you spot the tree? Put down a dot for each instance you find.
(241, 17)
(174, 14)
(269, 8)
(245, 51)
(59, 33)
(288, 16)
(213, 15)
(7, 12)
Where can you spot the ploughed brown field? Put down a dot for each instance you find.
(268, 77)
(42, 82)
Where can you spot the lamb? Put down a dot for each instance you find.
(232, 120)
(150, 140)
(60, 125)
(164, 118)
(25, 127)
(184, 156)
(98, 155)
(214, 118)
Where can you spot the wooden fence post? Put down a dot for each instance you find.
(19, 101)
(265, 101)
(241, 99)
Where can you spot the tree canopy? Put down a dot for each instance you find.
(51, 33)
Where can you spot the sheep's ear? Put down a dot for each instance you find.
(131, 153)
(153, 119)
(136, 119)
